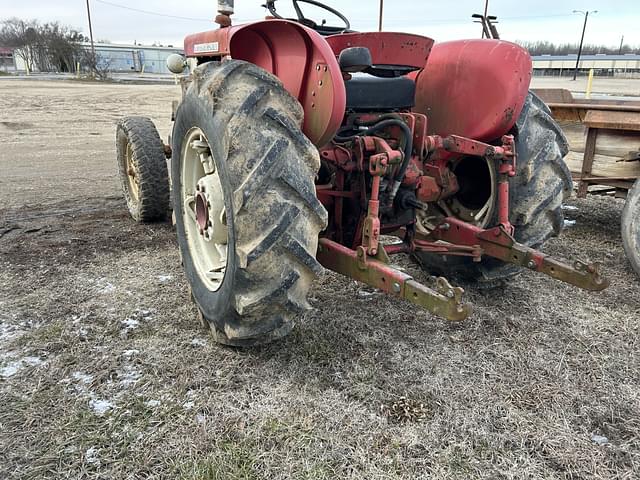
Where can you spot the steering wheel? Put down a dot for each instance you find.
(323, 28)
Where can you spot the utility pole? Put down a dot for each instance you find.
(381, 15)
(621, 45)
(584, 28)
(93, 49)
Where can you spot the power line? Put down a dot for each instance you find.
(157, 14)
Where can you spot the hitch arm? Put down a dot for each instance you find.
(498, 243)
(445, 301)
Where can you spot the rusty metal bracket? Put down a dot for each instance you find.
(445, 301)
(498, 243)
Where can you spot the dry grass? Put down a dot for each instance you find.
(113, 377)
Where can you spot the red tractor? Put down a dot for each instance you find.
(298, 145)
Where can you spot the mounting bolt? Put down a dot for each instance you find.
(532, 265)
(445, 226)
(396, 287)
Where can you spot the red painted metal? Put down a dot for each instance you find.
(387, 48)
(474, 88)
(506, 170)
(297, 55)
(428, 190)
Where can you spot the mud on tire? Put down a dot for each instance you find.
(267, 169)
(142, 168)
(541, 184)
(631, 227)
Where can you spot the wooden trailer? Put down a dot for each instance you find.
(604, 157)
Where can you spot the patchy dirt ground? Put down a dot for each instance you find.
(105, 372)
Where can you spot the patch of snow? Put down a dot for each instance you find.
(569, 223)
(367, 294)
(79, 318)
(14, 367)
(199, 342)
(32, 361)
(130, 353)
(9, 332)
(569, 208)
(91, 456)
(152, 403)
(129, 376)
(164, 278)
(100, 407)
(130, 323)
(11, 369)
(599, 440)
(188, 405)
(82, 332)
(82, 377)
(106, 289)
(200, 418)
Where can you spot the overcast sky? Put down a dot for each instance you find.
(442, 20)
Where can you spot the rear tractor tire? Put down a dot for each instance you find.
(142, 167)
(541, 184)
(247, 216)
(631, 227)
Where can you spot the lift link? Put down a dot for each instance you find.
(445, 301)
(498, 243)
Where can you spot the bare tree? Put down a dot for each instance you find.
(47, 47)
(21, 36)
(544, 47)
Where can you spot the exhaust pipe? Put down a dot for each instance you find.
(225, 7)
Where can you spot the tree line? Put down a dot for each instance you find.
(47, 47)
(543, 47)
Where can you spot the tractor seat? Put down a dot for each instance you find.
(366, 93)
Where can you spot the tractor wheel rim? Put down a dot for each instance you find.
(204, 215)
(132, 174)
(480, 216)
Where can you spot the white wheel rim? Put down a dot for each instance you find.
(204, 215)
(480, 217)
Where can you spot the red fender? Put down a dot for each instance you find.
(474, 88)
(300, 57)
(387, 48)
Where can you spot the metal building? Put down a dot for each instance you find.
(612, 65)
(134, 58)
(114, 57)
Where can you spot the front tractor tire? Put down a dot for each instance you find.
(142, 168)
(541, 185)
(247, 216)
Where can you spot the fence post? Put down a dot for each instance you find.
(589, 84)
